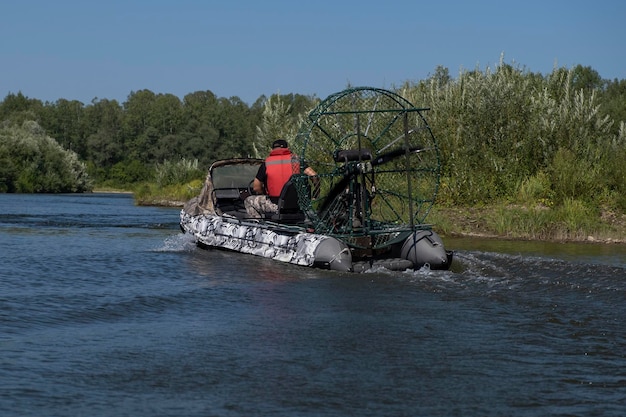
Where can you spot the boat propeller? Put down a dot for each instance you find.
(363, 163)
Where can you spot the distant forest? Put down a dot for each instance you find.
(502, 131)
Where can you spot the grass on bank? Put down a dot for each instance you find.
(173, 195)
(571, 222)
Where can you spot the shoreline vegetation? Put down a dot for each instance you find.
(523, 155)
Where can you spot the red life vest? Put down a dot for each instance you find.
(279, 166)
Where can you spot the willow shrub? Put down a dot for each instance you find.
(32, 162)
(174, 182)
(574, 178)
(177, 172)
(613, 171)
(499, 128)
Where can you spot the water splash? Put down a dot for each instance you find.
(180, 242)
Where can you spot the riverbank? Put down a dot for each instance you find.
(505, 222)
(521, 223)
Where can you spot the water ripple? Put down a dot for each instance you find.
(106, 309)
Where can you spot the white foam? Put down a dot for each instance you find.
(180, 242)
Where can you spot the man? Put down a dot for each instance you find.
(272, 175)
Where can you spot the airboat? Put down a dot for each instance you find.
(378, 171)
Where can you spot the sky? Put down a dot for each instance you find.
(92, 50)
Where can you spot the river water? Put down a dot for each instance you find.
(106, 309)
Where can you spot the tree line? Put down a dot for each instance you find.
(504, 132)
(121, 143)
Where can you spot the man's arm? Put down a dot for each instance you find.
(258, 186)
(315, 179)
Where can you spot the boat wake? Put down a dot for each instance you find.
(492, 274)
(536, 274)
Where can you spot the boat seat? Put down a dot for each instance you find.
(229, 201)
(288, 207)
(227, 193)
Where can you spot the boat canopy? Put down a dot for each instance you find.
(227, 175)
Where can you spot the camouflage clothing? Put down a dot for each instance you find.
(258, 205)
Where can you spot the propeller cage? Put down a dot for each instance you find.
(378, 168)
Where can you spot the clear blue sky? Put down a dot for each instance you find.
(83, 49)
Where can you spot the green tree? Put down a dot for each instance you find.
(166, 114)
(140, 135)
(17, 108)
(586, 78)
(64, 123)
(103, 125)
(35, 163)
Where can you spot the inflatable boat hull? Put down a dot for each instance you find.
(294, 246)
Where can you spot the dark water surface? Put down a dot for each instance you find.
(106, 309)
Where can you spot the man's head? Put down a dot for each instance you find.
(280, 143)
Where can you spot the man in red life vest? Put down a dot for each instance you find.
(272, 175)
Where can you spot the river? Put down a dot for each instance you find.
(106, 309)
